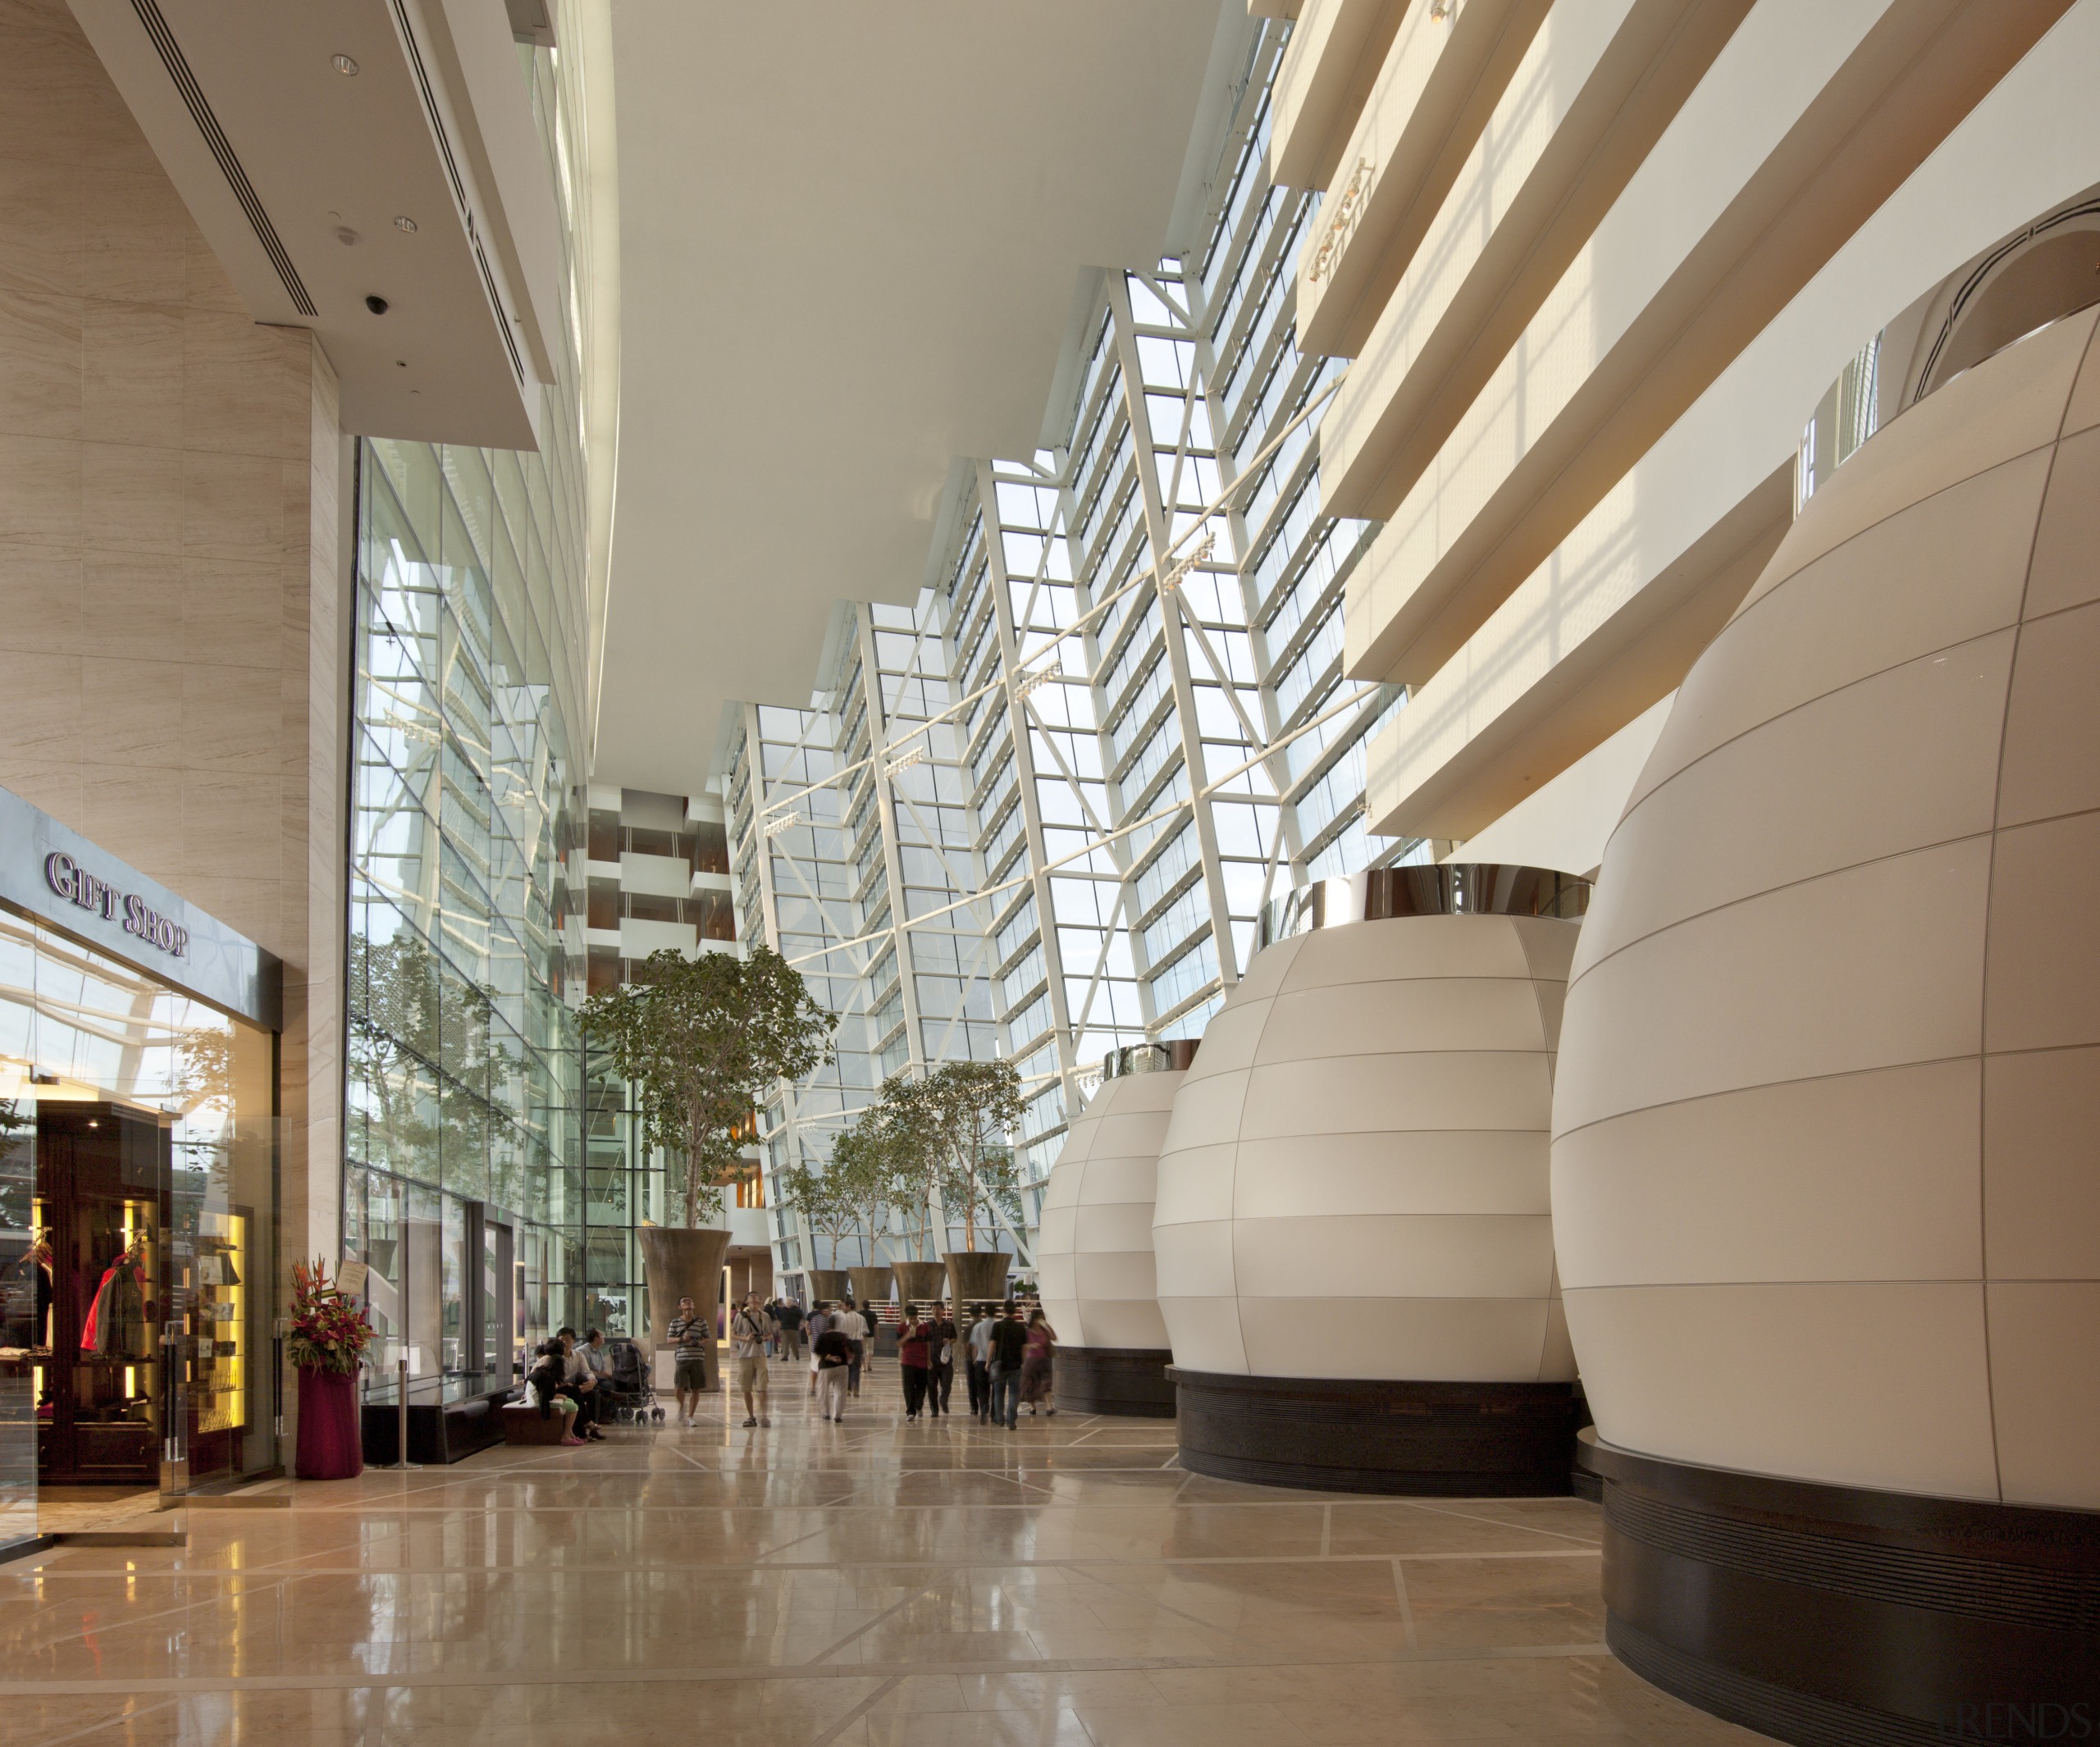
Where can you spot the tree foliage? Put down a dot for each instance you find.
(907, 1116)
(701, 1041)
(862, 1174)
(974, 1106)
(816, 1195)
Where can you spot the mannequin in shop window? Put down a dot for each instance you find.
(115, 1324)
(26, 1293)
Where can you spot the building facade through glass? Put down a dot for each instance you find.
(1038, 814)
(463, 1152)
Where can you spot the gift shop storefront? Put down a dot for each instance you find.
(138, 1183)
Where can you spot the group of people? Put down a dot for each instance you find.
(574, 1378)
(1007, 1355)
(1007, 1361)
(1010, 1365)
(753, 1330)
(838, 1348)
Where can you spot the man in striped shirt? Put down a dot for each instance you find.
(691, 1337)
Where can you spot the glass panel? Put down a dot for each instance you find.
(25, 1279)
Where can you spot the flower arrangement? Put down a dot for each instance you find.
(329, 1333)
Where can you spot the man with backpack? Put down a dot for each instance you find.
(749, 1331)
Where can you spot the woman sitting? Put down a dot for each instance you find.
(543, 1384)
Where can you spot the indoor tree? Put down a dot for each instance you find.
(860, 1170)
(816, 1195)
(701, 1041)
(908, 1117)
(975, 1105)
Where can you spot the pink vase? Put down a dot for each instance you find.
(331, 1447)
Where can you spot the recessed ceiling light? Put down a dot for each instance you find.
(345, 66)
(346, 236)
(405, 223)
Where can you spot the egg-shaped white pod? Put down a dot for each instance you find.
(1093, 1256)
(1353, 1233)
(1824, 1187)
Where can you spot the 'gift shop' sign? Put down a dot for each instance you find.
(71, 881)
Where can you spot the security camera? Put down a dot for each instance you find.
(377, 305)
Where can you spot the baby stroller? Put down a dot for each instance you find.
(630, 1395)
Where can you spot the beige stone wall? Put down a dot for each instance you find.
(172, 662)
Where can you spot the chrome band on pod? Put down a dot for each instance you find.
(1451, 888)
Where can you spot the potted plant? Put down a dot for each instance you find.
(975, 1105)
(816, 1196)
(327, 1343)
(701, 1041)
(910, 1124)
(860, 1169)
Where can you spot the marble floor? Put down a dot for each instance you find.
(940, 1585)
(67, 1510)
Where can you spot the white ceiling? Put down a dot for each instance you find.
(850, 236)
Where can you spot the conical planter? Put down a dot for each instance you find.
(920, 1282)
(871, 1286)
(828, 1286)
(977, 1276)
(683, 1264)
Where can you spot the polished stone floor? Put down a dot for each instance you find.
(937, 1584)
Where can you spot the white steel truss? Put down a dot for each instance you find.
(1039, 813)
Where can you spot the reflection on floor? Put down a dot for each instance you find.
(72, 1510)
(872, 1582)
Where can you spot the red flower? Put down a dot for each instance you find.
(328, 1332)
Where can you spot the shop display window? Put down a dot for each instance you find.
(137, 1229)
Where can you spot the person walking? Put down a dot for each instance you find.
(913, 1358)
(980, 1362)
(821, 1319)
(1035, 1364)
(832, 1355)
(788, 1314)
(857, 1328)
(749, 1331)
(940, 1374)
(689, 1338)
(1009, 1346)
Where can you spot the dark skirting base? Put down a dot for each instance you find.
(1835, 1615)
(1477, 1440)
(1129, 1381)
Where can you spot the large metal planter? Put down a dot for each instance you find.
(977, 1276)
(683, 1264)
(828, 1286)
(920, 1282)
(871, 1286)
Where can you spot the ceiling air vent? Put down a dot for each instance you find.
(458, 187)
(207, 124)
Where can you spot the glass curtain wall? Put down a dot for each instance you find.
(465, 1108)
(1136, 654)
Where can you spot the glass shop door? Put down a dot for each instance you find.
(105, 1397)
(500, 1308)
